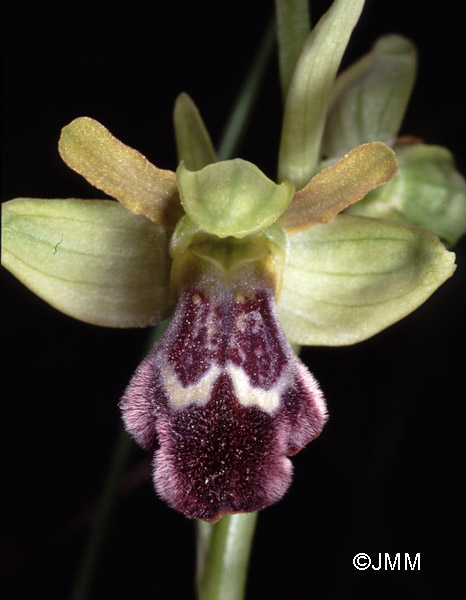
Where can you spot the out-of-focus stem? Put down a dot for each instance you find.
(106, 501)
(242, 109)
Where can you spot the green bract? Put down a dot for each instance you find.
(348, 280)
(426, 191)
(91, 259)
(293, 26)
(232, 197)
(309, 92)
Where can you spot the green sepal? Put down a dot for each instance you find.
(346, 281)
(232, 198)
(91, 259)
(370, 97)
(426, 191)
(309, 92)
(193, 142)
(195, 253)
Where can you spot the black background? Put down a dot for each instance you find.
(386, 474)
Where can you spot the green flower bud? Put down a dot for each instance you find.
(426, 191)
(369, 99)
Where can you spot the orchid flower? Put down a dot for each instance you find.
(248, 267)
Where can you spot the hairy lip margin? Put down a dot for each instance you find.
(222, 401)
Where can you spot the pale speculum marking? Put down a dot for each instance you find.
(199, 393)
(234, 338)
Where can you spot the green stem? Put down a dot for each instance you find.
(106, 501)
(223, 557)
(241, 112)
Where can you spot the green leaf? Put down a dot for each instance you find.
(91, 259)
(339, 185)
(346, 281)
(232, 198)
(90, 149)
(293, 26)
(308, 96)
(193, 142)
(426, 191)
(369, 99)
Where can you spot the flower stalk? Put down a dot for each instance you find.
(223, 552)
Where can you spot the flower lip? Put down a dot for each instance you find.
(224, 401)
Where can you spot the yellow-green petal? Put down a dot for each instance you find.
(91, 259)
(232, 198)
(91, 150)
(369, 99)
(308, 96)
(426, 191)
(193, 142)
(343, 183)
(348, 280)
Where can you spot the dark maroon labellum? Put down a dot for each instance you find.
(222, 400)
